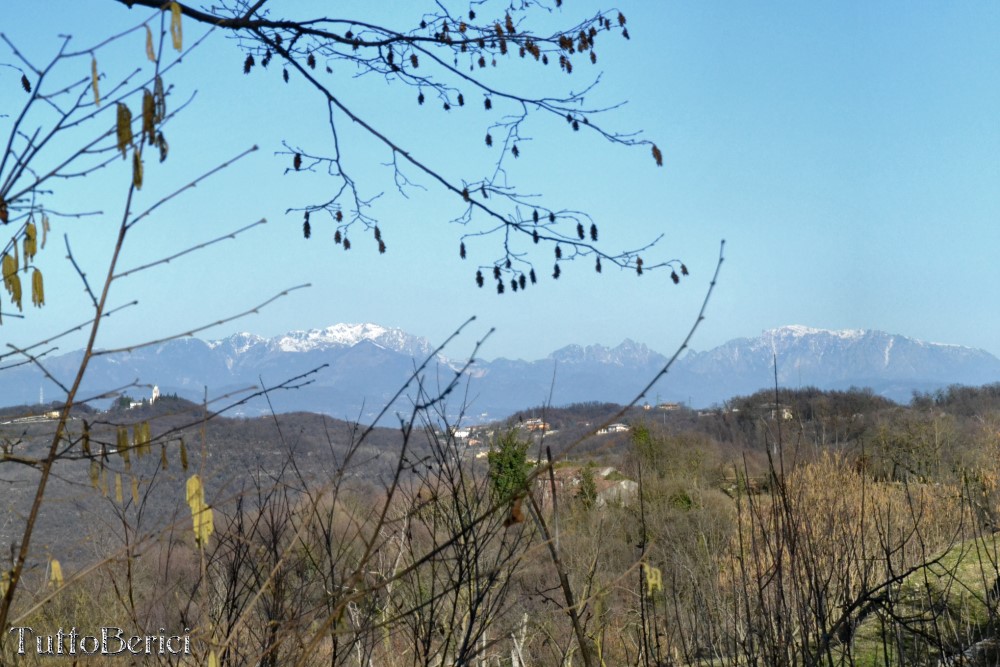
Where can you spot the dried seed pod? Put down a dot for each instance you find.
(556, 272)
(311, 61)
(461, 100)
(284, 74)
(579, 230)
(597, 267)
(534, 216)
(522, 281)
(534, 235)
(621, 19)
(638, 265)
(465, 194)
(479, 278)
(507, 263)
(347, 244)
(514, 151)
(381, 247)
(513, 284)
(414, 61)
(675, 277)
(248, 63)
(338, 216)
(25, 83)
(684, 270)
(420, 98)
(488, 104)
(658, 156)
(558, 252)
(593, 57)
(336, 236)
(306, 227)
(593, 232)
(461, 250)
(162, 146)
(496, 272)
(378, 233)
(552, 217)
(531, 275)
(297, 161)
(489, 139)
(499, 287)
(625, 33)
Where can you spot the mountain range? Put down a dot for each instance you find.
(363, 366)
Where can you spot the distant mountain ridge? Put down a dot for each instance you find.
(365, 364)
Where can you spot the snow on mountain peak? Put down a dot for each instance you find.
(341, 335)
(799, 331)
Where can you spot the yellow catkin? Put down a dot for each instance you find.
(30, 241)
(135, 491)
(654, 579)
(37, 289)
(15, 290)
(150, 52)
(95, 475)
(124, 128)
(55, 573)
(176, 32)
(163, 457)
(119, 498)
(104, 482)
(9, 266)
(136, 170)
(137, 438)
(213, 660)
(148, 116)
(45, 229)
(184, 456)
(201, 514)
(93, 81)
(146, 438)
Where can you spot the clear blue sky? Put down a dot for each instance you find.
(849, 153)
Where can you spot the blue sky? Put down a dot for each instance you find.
(849, 153)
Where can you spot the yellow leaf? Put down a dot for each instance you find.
(150, 53)
(176, 33)
(55, 573)
(93, 81)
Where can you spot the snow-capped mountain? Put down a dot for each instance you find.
(352, 370)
